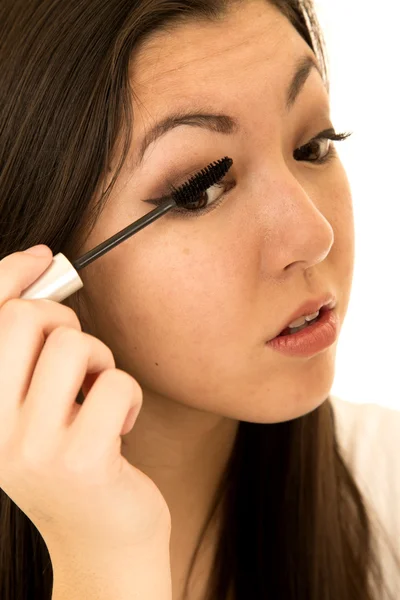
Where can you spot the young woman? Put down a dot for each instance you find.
(237, 477)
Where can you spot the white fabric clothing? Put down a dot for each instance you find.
(369, 436)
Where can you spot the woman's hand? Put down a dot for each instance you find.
(61, 462)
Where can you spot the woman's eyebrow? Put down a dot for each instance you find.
(224, 123)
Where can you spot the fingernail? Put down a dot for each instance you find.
(39, 250)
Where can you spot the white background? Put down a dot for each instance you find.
(362, 38)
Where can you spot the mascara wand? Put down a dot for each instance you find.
(61, 278)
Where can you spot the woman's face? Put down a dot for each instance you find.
(187, 304)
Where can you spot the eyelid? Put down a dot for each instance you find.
(330, 134)
(172, 182)
(324, 134)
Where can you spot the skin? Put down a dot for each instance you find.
(186, 305)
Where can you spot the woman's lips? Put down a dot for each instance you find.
(312, 339)
(288, 331)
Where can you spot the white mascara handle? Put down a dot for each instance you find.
(59, 281)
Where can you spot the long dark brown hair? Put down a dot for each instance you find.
(293, 523)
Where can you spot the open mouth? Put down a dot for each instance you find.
(292, 330)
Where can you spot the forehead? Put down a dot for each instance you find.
(253, 45)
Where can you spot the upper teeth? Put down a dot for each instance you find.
(301, 320)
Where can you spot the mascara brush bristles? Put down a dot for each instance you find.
(183, 196)
(200, 182)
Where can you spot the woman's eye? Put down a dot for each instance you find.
(209, 197)
(320, 147)
(314, 151)
(202, 203)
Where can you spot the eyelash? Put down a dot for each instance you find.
(327, 134)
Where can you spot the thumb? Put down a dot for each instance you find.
(130, 420)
